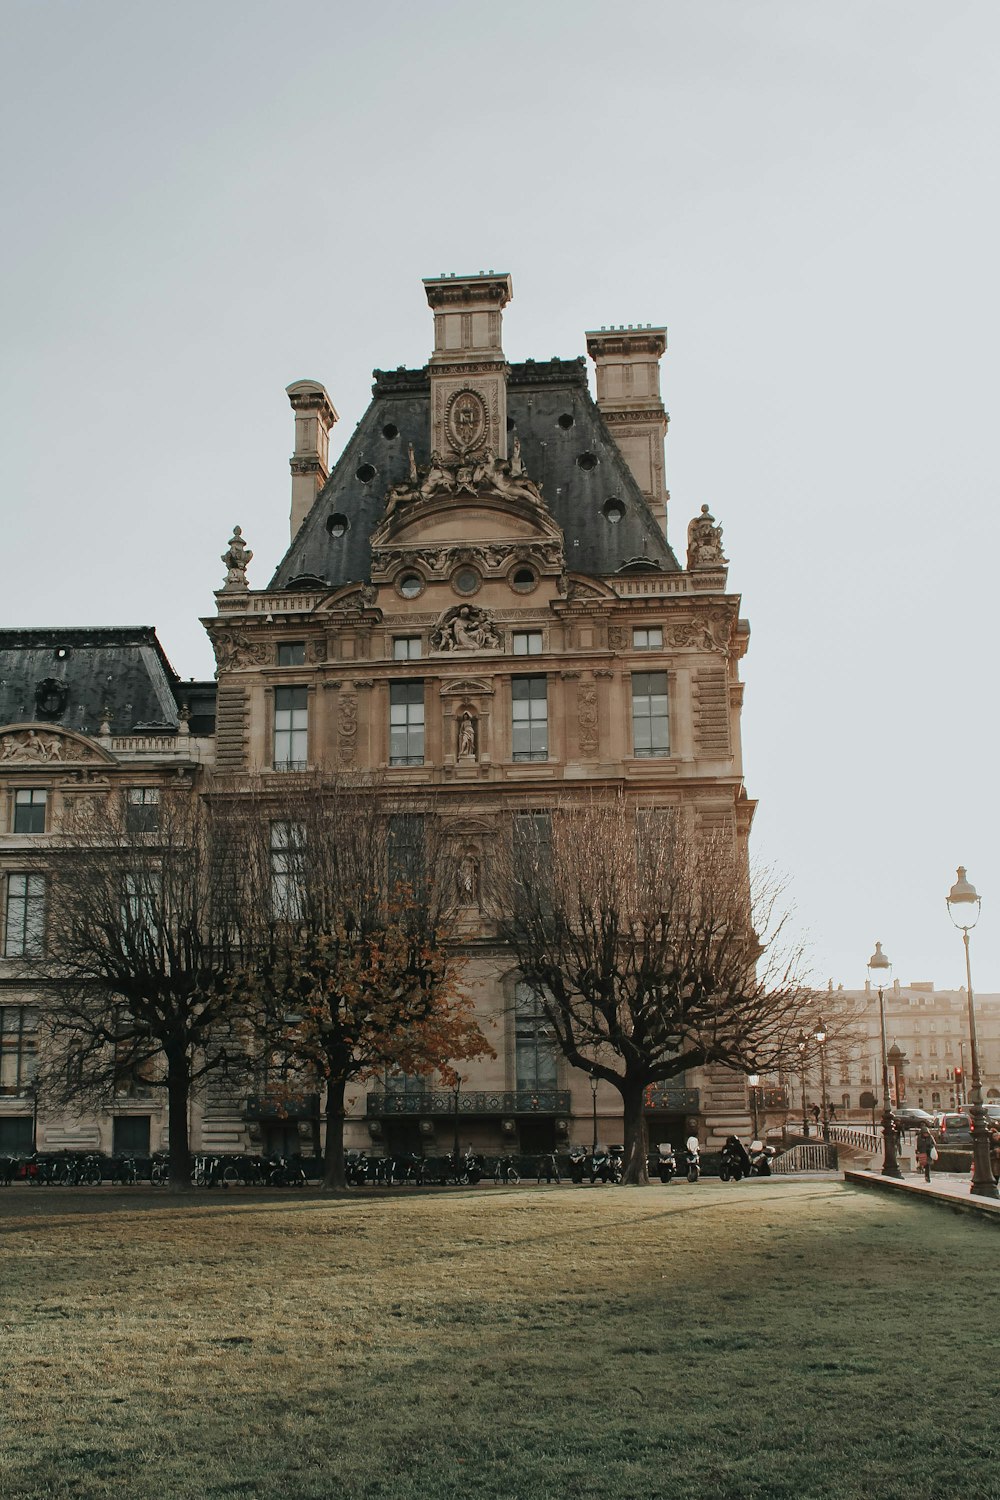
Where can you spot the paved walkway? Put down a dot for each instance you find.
(948, 1188)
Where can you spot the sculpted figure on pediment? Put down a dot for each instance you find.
(463, 627)
(234, 652)
(27, 745)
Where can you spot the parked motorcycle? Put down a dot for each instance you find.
(761, 1157)
(734, 1162)
(356, 1169)
(577, 1164)
(692, 1158)
(666, 1166)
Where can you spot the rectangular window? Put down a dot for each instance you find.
(24, 928)
(527, 643)
(141, 908)
(291, 725)
(292, 654)
(407, 859)
(287, 843)
(29, 810)
(18, 1047)
(406, 647)
(142, 809)
(530, 727)
(534, 1047)
(406, 723)
(647, 637)
(650, 724)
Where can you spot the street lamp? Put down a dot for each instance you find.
(964, 903)
(820, 1035)
(593, 1095)
(33, 1091)
(802, 1043)
(753, 1079)
(457, 1091)
(879, 970)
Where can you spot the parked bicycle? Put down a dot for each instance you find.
(124, 1171)
(505, 1170)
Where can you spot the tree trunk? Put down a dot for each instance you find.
(178, 1095)
(333, 1158)
(633, 1099)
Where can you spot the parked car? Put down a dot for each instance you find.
(910, 1118)
(954, 1128)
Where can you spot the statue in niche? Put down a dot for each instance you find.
(465, 628)
(236, 558)
(516, 462)
(467, 880)
(704, 540)
(467, 737)
(412, 457)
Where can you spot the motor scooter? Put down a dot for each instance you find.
(734, 1162)
(761, 1157)
(692, 1158)
(666, 1166)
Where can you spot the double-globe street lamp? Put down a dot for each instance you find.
(753, 1080)
(593, 1097)
(964, 904)
(802, 1042)
(819, 1037)
(879, 970)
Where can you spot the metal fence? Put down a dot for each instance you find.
(813, 1157)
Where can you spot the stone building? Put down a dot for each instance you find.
(480, 603)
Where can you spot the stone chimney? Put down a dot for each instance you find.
(310, 463)
(468, 370)
(628, 394)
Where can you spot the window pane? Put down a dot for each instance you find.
(142, 811)
(650, 717)
(406, 647)
(291, 654)
(527, 643)
(529, 718)
(406, 723)
(291, 718)
(24, 926)
(29, 811)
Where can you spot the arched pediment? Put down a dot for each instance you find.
(48, 745)
(353, 598)
(449, 519)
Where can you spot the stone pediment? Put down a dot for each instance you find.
(449, 501)
(466, 687)
(48, 745)
(583, 590)
(353, 598)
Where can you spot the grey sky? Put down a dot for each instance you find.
(206, 202)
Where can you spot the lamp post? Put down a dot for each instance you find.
(753, 1079)
(593, 1096)
(820, 1035)
(879, 970)
(457, 1091)
(802, 1043)
(964, 904)
(33, 1091)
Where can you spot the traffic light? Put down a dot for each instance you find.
(958, 1075)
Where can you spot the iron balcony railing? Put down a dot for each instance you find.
(472, 1102)
(678, 1101)
(295, 1107)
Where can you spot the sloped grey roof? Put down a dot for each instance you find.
(538, 395)
(119, 668)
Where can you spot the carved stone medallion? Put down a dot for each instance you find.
(466, 422)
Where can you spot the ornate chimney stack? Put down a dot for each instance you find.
(468, 369)
(628, 394)
(310, 463)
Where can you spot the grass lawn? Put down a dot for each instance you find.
(767, 1341)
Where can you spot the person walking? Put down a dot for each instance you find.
(926, 1152)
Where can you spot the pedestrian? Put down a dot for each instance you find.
(926, 1151)
(815, 1112)
(833, 1111)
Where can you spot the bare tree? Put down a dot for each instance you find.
(351, 967)
(649, 946)
(141, 957)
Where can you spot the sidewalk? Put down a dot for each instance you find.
(948, 1188)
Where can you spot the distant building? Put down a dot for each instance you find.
(479, 602)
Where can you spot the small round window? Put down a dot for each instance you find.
(337, 524)
(614, 511)
(410, 585)
(390, 430)
(587, 461)
(366, 473)
(523, 579)
(565, 421)
(465, 581)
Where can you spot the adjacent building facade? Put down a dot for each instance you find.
(479, 604)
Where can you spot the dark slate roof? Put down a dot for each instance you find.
(538, 395)
(121, 668)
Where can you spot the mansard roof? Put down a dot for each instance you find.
(566, 448)
(72, 675)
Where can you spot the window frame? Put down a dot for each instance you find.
(24, 936)
(31, 798)
(143, 797)
(293, 735)
(530, 637)
(534, 1039)
(408, 721)
(647, 644)
(24, 1049)
(654, 749)
(409, 641)
(535, 722)
(286, 654)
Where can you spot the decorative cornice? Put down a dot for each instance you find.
(549, 372)
(626, 341)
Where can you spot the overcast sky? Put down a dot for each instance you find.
(204, 202)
